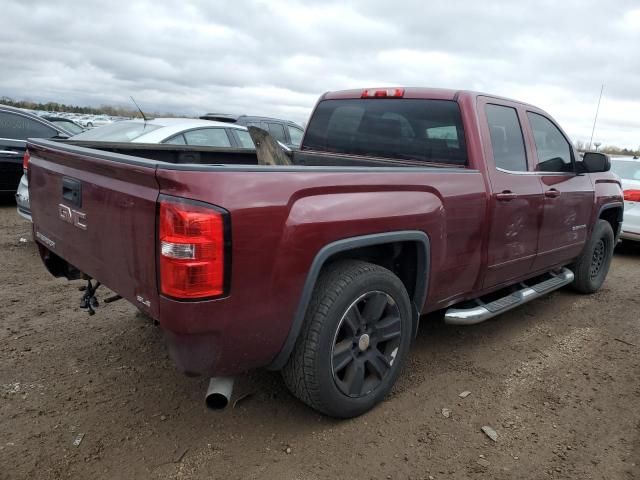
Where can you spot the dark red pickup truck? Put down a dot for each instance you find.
(400, 202)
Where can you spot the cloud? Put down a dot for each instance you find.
(276, 57)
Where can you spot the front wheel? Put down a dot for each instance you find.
(592, 266)
(354, 341)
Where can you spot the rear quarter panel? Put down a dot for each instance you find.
(281, 218)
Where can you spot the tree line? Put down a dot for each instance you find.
(61, 107)
(609, 149)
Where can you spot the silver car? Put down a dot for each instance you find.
(628, 169)
(174, 131)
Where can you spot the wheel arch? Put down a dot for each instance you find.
(361, 247)
(613, 213)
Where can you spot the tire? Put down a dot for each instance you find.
(90, 125)
(354, 340)
(592, 266)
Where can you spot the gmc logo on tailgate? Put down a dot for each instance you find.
(74, 217)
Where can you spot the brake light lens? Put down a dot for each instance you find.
(25, 161)
(383, 93)
(632, 195)
(192, 249)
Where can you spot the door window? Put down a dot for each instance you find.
(507, 141)
(18, 127)
(177, 140)
(208, 137)
(277, 131)
(245, 139)
(296, 136)
(554, 152)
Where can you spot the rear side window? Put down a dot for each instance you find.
(208, 137)
(245, 139)
(177, 140)
(277, 131)
(403, 129)
(554, 152)
(507, 141)
(18, 127)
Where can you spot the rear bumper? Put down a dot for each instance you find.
(22, 199)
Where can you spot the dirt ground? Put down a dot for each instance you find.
(558, 380)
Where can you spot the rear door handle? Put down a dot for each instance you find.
(552, 193)
(506, 196)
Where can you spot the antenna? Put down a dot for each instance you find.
(596, 117)
(145, 118)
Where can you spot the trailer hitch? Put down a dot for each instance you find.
(89, 300)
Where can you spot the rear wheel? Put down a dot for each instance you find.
(593, 264)
(354, 340)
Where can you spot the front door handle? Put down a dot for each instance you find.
(506, 196)
(552, 193)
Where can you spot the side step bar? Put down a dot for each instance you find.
(482, 312)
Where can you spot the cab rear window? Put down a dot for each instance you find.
(402, 129)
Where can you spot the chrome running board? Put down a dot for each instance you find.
(485, 311)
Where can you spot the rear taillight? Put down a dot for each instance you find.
(383, 93)
(25, 161)
(192, 249)
(632, 195)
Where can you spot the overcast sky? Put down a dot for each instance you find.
(275, 57)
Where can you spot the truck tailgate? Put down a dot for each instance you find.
(99, 215)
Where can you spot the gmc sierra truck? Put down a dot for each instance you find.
(400, 202)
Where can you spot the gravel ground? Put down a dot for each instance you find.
(558, 380)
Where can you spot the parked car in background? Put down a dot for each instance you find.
(628, 169)
(170, 131)
(173, 131)
(400, 202)
(73, 128)
(16, 126)
(98, 121)
(284, 131)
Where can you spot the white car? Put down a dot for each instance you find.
(172, 131)
(628, 169)
(175, 131)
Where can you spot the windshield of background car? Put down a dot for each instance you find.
(629, 170)
(117, 132)
(404, 129)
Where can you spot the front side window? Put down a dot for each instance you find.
(554, 152)
(207, 137)
(507, 141)
(296, 135)
(403, 129)
(19, 127)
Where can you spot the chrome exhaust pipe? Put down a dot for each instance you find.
(219, 392)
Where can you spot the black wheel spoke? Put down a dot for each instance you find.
(353, 320)
(354, 377)
(375, 307)
(378, 363)
(388, 328)
(342, 355)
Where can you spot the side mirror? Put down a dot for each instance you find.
(595, 162)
